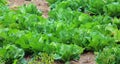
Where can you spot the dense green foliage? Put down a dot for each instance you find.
(92, 7)
(110, 55)
(72, 27)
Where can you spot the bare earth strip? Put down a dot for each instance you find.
(86, 58)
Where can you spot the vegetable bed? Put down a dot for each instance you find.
(73, 27)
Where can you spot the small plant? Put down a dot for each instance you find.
(43, 58)
(46, 59)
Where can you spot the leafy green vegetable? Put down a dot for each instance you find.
(95, 6)
(68, 52)
(72, 27)
(113, 9)
(10, 53)
(109, 55)
(31, 9)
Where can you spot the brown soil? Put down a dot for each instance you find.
(86, 58)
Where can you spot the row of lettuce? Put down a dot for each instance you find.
(73, 26)
(92, 7)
